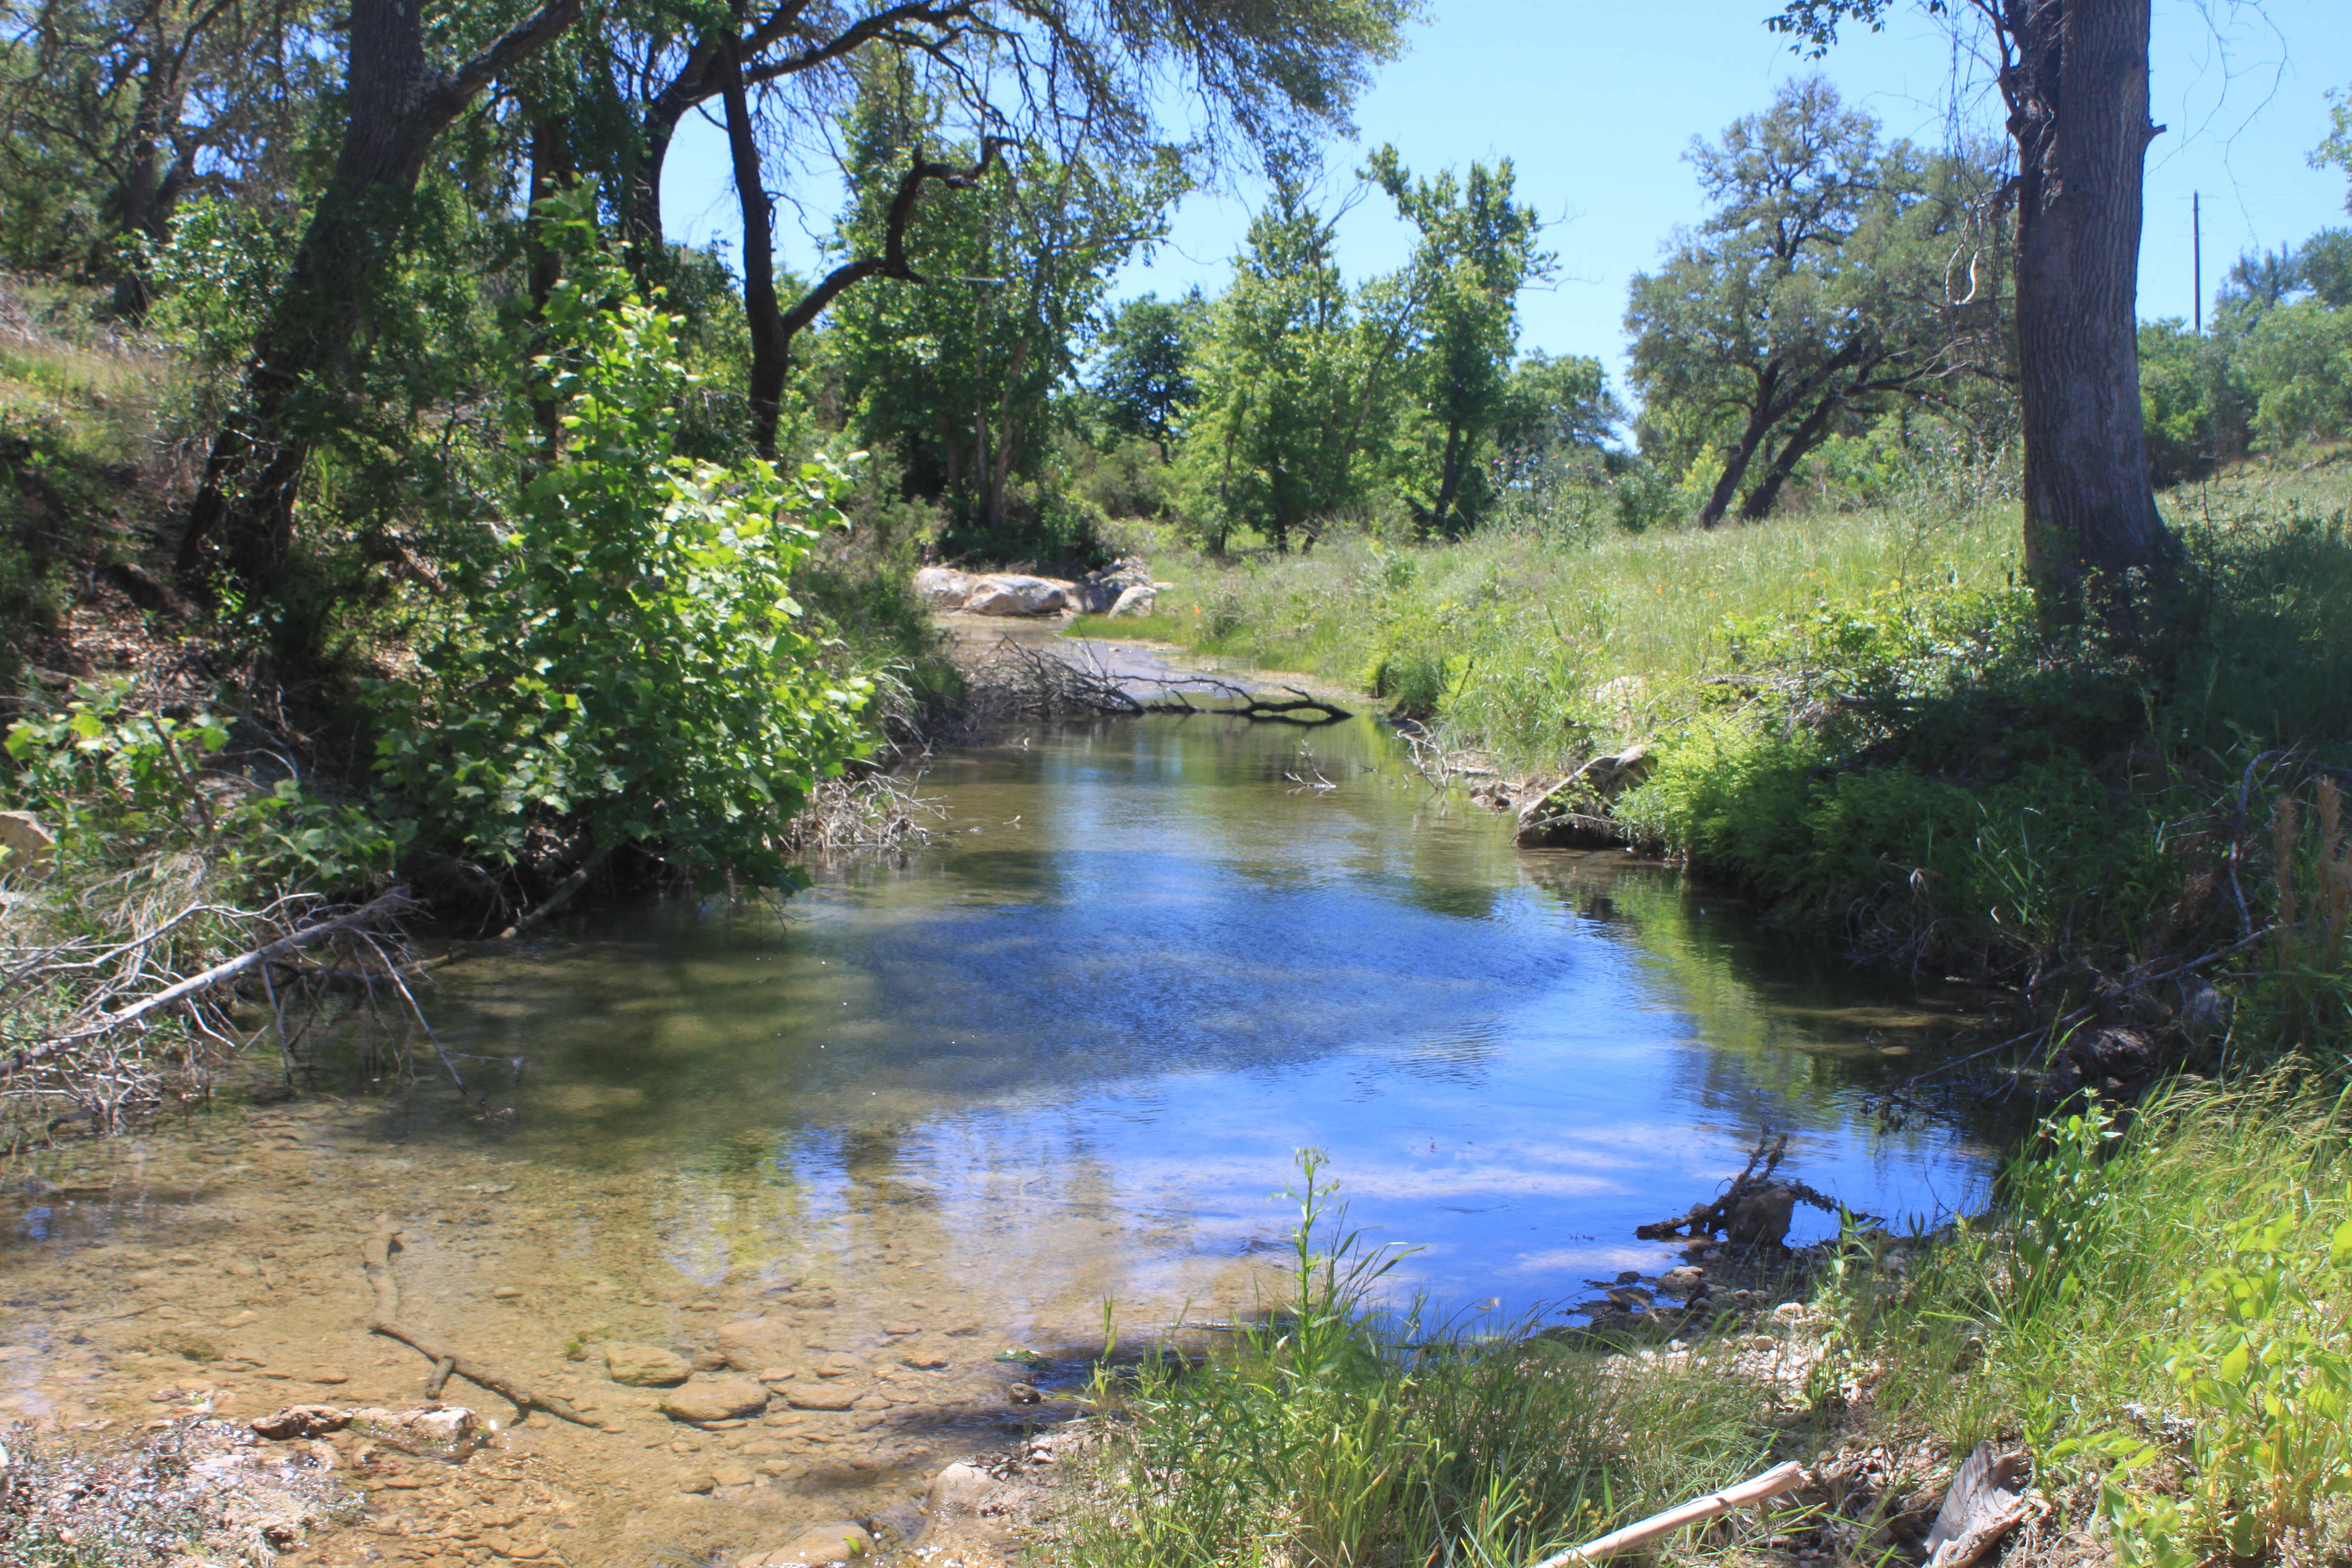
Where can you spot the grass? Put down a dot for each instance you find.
(1863, 721)
(2099, 1305)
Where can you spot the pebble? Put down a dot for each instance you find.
(902, 1328)
(505, 1293)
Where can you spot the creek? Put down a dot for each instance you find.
(977, 1097)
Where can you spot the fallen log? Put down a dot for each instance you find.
(375, 1253)
(1770, 1484)
(269, 952)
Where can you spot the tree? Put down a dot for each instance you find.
(955, 367)
(1476, 251)
(1819, 292)
(113, 112)
(1144, 360)
(396, 101)
(1269, 68)
(1285, 389)
(2074, 77)
(1554, 410)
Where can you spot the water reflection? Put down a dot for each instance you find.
(1144, 965)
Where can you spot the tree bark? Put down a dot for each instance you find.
(396, 104)
(2077, 95)
(772, 344)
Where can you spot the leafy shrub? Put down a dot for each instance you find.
(630, 661)
(113, 779)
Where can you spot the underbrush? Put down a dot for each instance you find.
(2159, 1311)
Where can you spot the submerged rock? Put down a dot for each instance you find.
(715, 1399)
(645, 1366)
(840, 1542)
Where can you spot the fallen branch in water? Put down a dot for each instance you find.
(269, 952)
(1759, 1488)
(376, 1255)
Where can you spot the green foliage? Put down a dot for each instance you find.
(1285, 406)
(628, 661)
(2298, 362)
(957, 376)
(2257, 1348)
(1814, 296)
(1144, 382)
(115, 780)
(1456, 307)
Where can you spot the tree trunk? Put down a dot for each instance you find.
(1449, 481)
(1762, 416)
(2077, 95)
(772, 344)
(396, 105)
(1760, 501)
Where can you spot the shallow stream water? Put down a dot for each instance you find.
(1047, 1075)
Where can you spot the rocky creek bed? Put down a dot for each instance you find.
(200, 1278)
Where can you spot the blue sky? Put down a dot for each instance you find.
(1596, 103)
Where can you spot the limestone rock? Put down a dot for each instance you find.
(838, 1541)
(645, 1366)
(943, 587)
(715, 1399)
(821, 1398)
(1138, 599)
(22, 834)
(957, 1490)
(1010, 594)
(1682, 1281)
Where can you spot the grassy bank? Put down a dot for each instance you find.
(1862, 719)
(2161, 1316)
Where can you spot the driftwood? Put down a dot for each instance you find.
(1754, 1210)
(1986, 1500)
(1760, 1489)
(376, 1255)
(382, 907)
(1041, 682)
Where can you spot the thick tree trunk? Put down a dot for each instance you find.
(1762, 416)
(2077, 95)
(396, 105)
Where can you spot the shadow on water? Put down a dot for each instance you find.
(1148, 960)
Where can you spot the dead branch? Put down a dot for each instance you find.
(1034, 681)
(375, 1254)
(1759, 1488)
(1754, 1207)
(382, 907)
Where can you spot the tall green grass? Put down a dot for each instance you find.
(1340, 1434)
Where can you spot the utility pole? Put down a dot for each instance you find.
(2197, 244)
